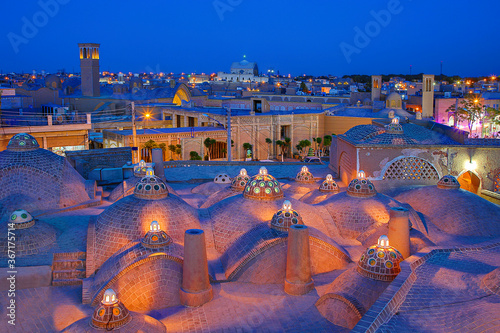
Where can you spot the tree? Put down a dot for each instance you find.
(269, 142)
(208, 144)
(281, 144)
(303, 87)
(194, 156)
(172, 148)
(163, 147)
(326, 144)
(469, 110)
(301, 147)
(178, 150)
(149, 145)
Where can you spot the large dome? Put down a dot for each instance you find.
(454, 210)
(37, 178)
(263, 186)
(130, 218)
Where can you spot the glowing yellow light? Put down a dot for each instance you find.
(154, 226)
(383, 241)
(361, 174)
(470, 165)
(147, 115)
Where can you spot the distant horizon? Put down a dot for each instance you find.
(295, 38)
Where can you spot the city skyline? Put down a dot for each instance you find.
(337, 39)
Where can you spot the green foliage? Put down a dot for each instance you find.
(247, 146)
(269, 141)
(469, 110)
(328, 140)
(194, 156)
(303, 87)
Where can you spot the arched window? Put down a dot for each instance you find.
(411, 168)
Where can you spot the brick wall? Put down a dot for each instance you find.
(85, 161)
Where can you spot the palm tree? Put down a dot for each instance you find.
(268, 141)
(172, 148)
(208, 144)
(149, 145)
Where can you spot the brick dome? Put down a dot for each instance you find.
(285, 217)
(448, 182)
(150, 187)
(239, 182)
(361, 187)
(22, 142)
(263, 186)
(329, 185)
(381, 261)
(111, 314)
(304, 176)
(21, 219)
(394, 127)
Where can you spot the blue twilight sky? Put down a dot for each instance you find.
(313, 37)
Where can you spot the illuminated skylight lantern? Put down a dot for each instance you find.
(381, 261)
(285, 217)
(155, 237)
(239, 182)
(361, 187)
(304, 176)
(263, 187)
(329, 185)
(111, 313)
(394, 127)
(150, 172)
(141, 169)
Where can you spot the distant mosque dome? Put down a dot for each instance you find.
(394, 101)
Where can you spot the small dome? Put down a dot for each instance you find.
(21, 219)
(285, 217)
(304, 176)
(381, 261)
(150, 187)
(222, 178)
(156, 237)
(240, 181)
(448, 182)
(111, 313)
(329, 185)
(263, 187)
(394, 127)
(141, 169)
(361, 187)
(22, 142)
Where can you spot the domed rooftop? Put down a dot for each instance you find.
(285, 217)
(111, 314)
(394, 101)
(394, 127)
(38, 178)
(304, 176)
(381, 261)
(22, 142)
(150, 187)
(448, 182)
(329, 185)
(31, 238)
(222, 178)
(263, 186)
(156, 237)
(457, 212)
(239, 182)
(361, 187)
(129, 218)
(21, 219)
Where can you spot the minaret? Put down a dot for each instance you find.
(89, 66)
(376, 87)
(427, 96)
